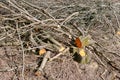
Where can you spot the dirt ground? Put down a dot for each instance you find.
(38, 40)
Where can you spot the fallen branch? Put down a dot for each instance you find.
(45, 59)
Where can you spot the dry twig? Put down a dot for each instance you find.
(23, 53)
(61, 53)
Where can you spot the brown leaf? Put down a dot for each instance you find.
(78, 42)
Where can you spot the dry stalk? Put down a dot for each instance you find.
(61, 53)
(23, 11)
(53, 40)
(40, 47)
(98, 58)
(32, 24)
(7, 69)
(45, 59)
(5, 7)
(43, 11)
(2, 38)
(23, 53)
(69, 17)
(117, 19)
(32, 39)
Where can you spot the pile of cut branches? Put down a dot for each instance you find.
(80, 33)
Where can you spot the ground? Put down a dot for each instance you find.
(38, 40)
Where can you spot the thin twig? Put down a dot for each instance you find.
(40, 47)
(2, 38)
(23, 53)
(7, 69)
(5, 7)
(23, 11)
(43, 11)
(69, 17)
(116, 17)
(61, 53)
